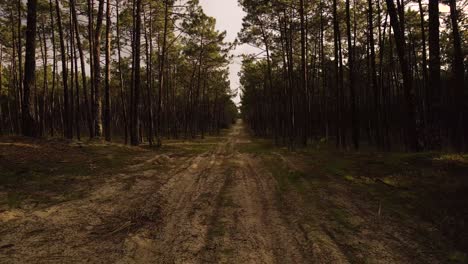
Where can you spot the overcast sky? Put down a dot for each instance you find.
(229, 16)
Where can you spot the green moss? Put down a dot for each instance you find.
(14, 199)
(52, 177)
(217, 230)
(257, 147)
(457, 257)
(342, 218)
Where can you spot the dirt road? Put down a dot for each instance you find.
(221, 206)
(219, 209)
(214, 207)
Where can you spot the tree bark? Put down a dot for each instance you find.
(434, 75)
(92, 104)
(121, 81)
(54, 69)
(354, 117)
(20, 55)
(161, 72)
(107, 102)
(66, 111)
(410, 121)
(134, 130)
(303, 73)
(149, 76)
(28, 123)
(424, 49)
(460, 127)
(2, 118)
(84, 82)
(97, 70)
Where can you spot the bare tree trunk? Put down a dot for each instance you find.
(45, 83)
(149, 76)
(91, 66)
(460, 127)
(54, 69)
(303, 74)
(97, 70)
(76, 114)
(338, 73)
(121, 81)
(71, 58)
(66, 111)
(107, 111)
(134, 129)
(2, 118)
(161, 72)
(16, 83)
(410, 121)
(20, 56)
(354, 117)
(424, 49)
(434, 75)
(83, 68)
(375, 88)
(28, 124)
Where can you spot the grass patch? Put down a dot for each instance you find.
(14, 199)
(409, 187)
(284, 175)
(342, 219)
(47, 171)
(194, 147)
(217, 230)
(257, 147)
(457, 257)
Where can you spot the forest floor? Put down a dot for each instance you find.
(228, 199)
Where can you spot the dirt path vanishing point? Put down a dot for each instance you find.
(214, 207)
(221, 206)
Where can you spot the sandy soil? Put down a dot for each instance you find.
(218, 207)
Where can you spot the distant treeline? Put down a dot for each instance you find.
(390, 73)
(136, 69)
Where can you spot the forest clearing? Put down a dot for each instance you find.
(229, 199)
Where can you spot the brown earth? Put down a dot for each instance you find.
(221, 206)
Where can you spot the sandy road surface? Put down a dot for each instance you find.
(221, 206)
(220, 209)
(215, 207)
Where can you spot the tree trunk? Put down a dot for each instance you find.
(121, 81)
(2, 118)
(20, 55)
(74, 62)
(354, 117)
(97, 70)
(66, 111)
(460, 127)
(45, 83)
(424, 49)
(410, 121)
(54, 69)
(84, 83)
(91, 66)
(375, 87)
(28, 126)
(134, 130)
(161, 71)
(149, 76)
(71, 57)
(434, 75)
(107, 110)
(304, 84)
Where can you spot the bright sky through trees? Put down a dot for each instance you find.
(229, 16)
